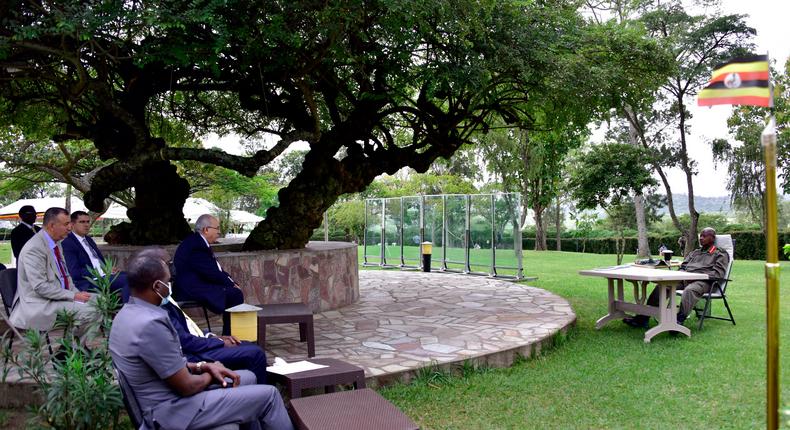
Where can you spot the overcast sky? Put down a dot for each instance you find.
(770, 19)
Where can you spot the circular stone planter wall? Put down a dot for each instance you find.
(323, 275)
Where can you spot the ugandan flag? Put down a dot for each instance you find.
(740, 81)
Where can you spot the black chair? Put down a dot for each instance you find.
(187, 304)
(718, 290)
(8, 285)
(129, 400)
(133, 406)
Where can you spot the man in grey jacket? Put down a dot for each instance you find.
(44, 286)
(172, 393)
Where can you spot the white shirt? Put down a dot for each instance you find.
(209, 247)
(95, 262)
(30, 226)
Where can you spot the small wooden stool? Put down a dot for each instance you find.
(287, 313)
(348, 410)
(338, 372)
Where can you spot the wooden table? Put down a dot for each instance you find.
(287, 313)
(640, 277)
(337, 372)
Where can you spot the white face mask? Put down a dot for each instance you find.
(165, 299)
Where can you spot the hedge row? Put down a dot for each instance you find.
(749, 245)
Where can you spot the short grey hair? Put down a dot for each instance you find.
(202, 222)
(710, 230)
(51, 215)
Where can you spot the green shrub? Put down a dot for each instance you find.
(77, 384)
(749, 245)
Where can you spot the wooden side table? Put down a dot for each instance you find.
(337, 372)
(287, 313)
(348, 410)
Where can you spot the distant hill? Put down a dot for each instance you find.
(703, 204)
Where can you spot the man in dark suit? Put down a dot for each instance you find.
(200, 277)
(81, 253)
(25, 230)
(228, 350)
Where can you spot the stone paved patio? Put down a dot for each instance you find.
(404, 321)
(408, 320)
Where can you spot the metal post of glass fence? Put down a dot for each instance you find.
(365, 236)
(493, 237)
(444, 232)
(402, 261)
(517, 237)
(383, 231)
(467, 234)
(422, 223)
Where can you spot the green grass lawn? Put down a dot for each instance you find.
(610, 378)
(5, 252)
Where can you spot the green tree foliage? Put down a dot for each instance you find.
(347, 77)
(606, 176)
(744, 156)
(698, 43)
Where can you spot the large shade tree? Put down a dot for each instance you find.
(371, 86)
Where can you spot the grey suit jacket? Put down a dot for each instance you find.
(39, 295)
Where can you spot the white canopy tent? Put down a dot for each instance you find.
(193, 208)
(9, 212)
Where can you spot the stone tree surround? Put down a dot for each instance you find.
(323, 275)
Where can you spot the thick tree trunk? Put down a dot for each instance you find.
(643, 248)
(157, 215)
(633, 121)
(691, 233)
(558, 224)
(540, 228)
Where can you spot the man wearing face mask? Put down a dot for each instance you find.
(172, 393)
(198, 346)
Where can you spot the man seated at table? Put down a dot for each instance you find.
(200, 277)
(198, 346)
(44, 286)
(709, 260)
(172, 392)
(81, 253)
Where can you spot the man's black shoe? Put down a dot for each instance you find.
(681, 318)
(636, 322)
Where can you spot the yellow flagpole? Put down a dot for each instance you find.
(771, 277)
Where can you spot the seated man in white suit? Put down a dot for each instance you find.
(44, 286)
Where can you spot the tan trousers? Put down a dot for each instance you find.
(691, 294)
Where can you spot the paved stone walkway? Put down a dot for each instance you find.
(408, 320)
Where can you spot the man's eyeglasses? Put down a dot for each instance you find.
(216, 228)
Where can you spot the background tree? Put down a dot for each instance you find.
(746, 165)
(343, 77)
(698, 43)
(606, 176)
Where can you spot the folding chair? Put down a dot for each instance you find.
(8, 285)
(718, 290)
